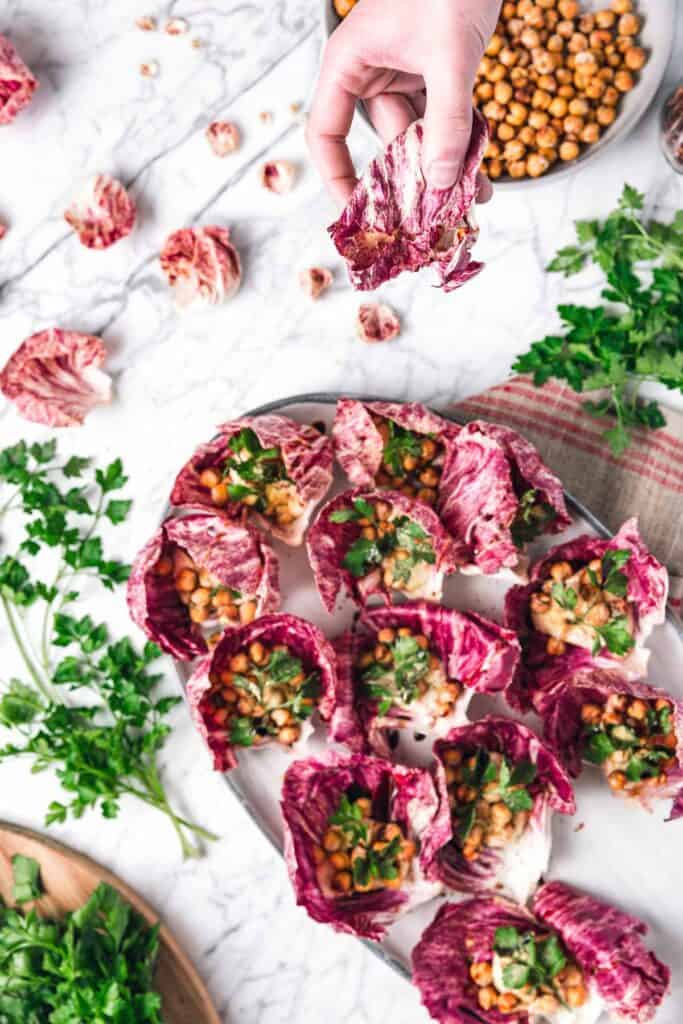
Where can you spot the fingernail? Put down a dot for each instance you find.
(443, 173)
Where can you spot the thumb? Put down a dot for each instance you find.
(447, 125)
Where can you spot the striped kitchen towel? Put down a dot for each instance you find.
(647, 480)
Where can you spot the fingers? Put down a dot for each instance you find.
(328, 125)
(448, 124)
(391, 113)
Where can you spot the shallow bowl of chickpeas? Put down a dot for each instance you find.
(561, 80)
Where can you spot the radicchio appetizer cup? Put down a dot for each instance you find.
(496, 496)
(198, 572)
(502, 785)
(415, 666)
(399, 445)
(261, 685)
(590, 603)
(357, 832)
(632, 731)
(378, 543)
(268, 467)
(571, 959)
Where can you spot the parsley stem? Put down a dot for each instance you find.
(44, 688)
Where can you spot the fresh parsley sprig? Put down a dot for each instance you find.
(637, 337)
(615, 635)
(535, 961)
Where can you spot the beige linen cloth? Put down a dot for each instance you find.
(646, 481)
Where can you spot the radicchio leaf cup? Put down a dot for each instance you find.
(644, 601)
(473, 655)
(311, 795)
(573, 712)
(496, 495)
(239, 559)
(215, 716)
(605, 945)
(330, 539)
(306, 457)
(513, 864)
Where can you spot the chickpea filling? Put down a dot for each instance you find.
(586, 606)
(489, 797)
(632, 739)
(264, 693)
(359, 853)
(528, 973)
(400, 670)
(256, 478)
(388, 541)
(411, 463)
(551, 81)
(208, 601)
(531, 519)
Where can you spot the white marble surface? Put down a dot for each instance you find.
(265, 963)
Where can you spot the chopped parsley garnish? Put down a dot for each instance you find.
(601, 741)
(410, 663)
(380, 863)
(401, 442)
(367, 553)
(242, 732)
(511, 781)
(534, 961)
(531, 519)
(349, 818)
(262, 466)
(369, 861)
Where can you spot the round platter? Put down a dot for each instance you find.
(612, 848)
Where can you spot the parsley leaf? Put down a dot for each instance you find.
(26, 872)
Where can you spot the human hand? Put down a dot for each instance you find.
(404, 59)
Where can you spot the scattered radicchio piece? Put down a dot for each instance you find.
(256, 724)
(17, 83)
(102, 214)
(354, 800)
(3, 230)
(201, 570)
(223, 137)
(176, 27)
(315, 281)
(409, 557)
(377, 322)
(497, 495)
(54, 377)
(631, 730)
(625, 580)
(278, 472)
(433, 660)
(202, 266)
(278, 176)
(394, 221)
(371, 440)
(510, 862)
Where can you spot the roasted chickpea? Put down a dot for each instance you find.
(497, 73)
(617, 780)
(502, 92)
(517, 169)
(622, 6)
(548, 83)
(517, 113)
(623, 81)
(508, 57)
(492, 150)
(610, 96)
(530, 38)
(494, 111)
(595, 89)
(481, 974)
(565, 29)
(558, 107)
(505, 132)
(543, 61)
(550, 154)
(578, 107)
(573, 125)
(541, 100)
(495, 169)
(527, 135)
(538, 118)
(605, 19)
(547, 137)
(484, 91)
(567, 92)
(555, 43)
(635, 58)
(600, 39)
(514, 150)
(569, 8)
(536, 165)
(629, 24)
(555, 646)
(577, 43)
(590, 133)
(587, 23)
(496, 43)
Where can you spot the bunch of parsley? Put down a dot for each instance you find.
(86, 706)
(637, 337)
(96, 964)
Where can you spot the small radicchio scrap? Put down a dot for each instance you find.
(377, 322)
(315, 281)
(102, 213)
(400, 445)
(394, 221)
(496, 496)
(590, 603)
(357, 833)
(501, 784)
(632, 731)
(54, 377)
(197, 573)
(269, 468)
(381, 544)
(415, 666)
(202, 266)
(261, 686)
(278, 176)
(223, 137)
(17, 83)
(571, 958)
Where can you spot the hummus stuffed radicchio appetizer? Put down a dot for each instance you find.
(261, 685)
(397, 445)
(378, 543)
(630, 730)
(357, 831)
(199, 572)
(415, 666)
(497, 495)
(590, 602)
(268, 467)
(569, 961)
(502, 785)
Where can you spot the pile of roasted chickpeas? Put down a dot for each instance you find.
(551, 80)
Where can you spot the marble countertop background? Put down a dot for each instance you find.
(175, 377)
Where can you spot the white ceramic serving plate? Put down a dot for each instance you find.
(614, 849)
(657, 36)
